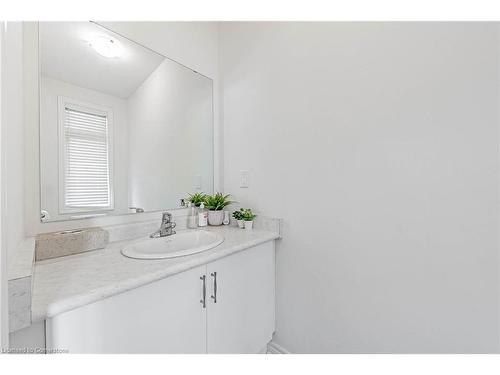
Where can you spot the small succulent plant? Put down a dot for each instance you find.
(247, 214)
(238, 215)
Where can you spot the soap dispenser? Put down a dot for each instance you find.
(202, 216)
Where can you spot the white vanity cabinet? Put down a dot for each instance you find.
(226, 306)
(162, 317)
(242, 319)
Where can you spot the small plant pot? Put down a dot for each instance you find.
(241, 224)
(248, 225)
(215, 217)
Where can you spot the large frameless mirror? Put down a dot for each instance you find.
(123, 129)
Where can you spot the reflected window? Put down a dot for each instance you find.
(85, 157)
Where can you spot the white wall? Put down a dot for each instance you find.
(51, 89)
(14, 134)
(12, 176)
(4, 311)
(192, 44)
(377, 143)
(171, 134)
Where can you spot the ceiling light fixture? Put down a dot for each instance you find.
(106, 46)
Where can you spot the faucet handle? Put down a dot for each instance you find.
(166, 217)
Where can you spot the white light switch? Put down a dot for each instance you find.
(243, 178)
(197, 182)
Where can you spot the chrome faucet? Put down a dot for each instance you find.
(166, 227)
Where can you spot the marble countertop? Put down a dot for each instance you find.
(63, 284)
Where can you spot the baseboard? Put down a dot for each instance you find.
(273, 348)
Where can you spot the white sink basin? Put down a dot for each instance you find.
(176, 245)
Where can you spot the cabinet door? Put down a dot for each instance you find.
(163, 317)
(242, 319)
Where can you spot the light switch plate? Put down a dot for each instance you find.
(243, 178)
(197, 182)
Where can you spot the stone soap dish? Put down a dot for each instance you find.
(69, 242)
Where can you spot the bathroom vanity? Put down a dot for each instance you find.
(217, 301)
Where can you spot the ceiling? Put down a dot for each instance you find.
(66, 55)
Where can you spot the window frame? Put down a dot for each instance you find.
(63, 103)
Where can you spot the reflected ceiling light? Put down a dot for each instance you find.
(106, 46)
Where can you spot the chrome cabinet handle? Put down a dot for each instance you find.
(203, 301)
(214, 296)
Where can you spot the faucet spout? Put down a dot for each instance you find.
(166, 228)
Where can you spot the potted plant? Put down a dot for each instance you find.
(238, 216)
(248, 218)
(196, 199)
(215, 205)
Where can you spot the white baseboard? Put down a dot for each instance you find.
(273, 348)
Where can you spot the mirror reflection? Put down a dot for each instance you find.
(122, 128)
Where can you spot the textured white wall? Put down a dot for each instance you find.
(377, 143)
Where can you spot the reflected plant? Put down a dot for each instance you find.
(197, 199)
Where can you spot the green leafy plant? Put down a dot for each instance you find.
(197, 198)
(238, 215)
(248, 215)
(217, 202)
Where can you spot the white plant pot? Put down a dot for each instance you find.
(241, 224)
(248, 225)
(215, 217)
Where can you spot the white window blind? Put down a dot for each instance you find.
(86, 180)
